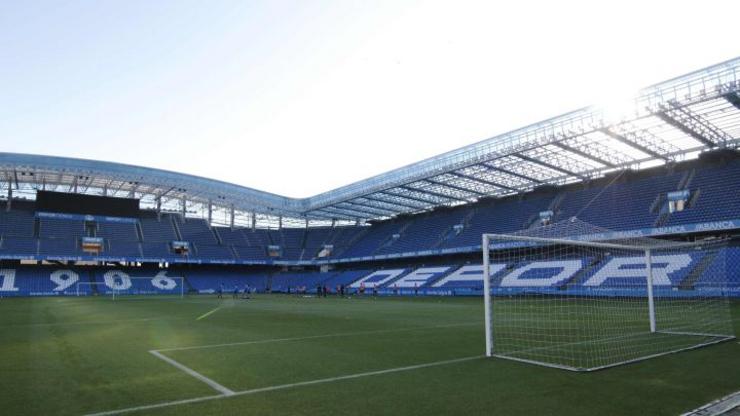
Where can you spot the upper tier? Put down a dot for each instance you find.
(625, 201)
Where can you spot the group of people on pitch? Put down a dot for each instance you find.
(235, 294)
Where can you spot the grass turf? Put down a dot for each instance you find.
(74, 356)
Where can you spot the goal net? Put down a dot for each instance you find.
(116, 283)
(573, 296)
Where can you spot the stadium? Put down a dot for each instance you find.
(323, 207)
(610, 239)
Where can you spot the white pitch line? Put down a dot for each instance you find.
(208, 313)
(285, 386)
(333, 335)
(223, 390)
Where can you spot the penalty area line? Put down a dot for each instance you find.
(207, 313)
(310, 337)
(219, 388)
(285, 386)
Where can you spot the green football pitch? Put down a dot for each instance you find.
(284, 355)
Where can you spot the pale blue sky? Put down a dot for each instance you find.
(298, 97)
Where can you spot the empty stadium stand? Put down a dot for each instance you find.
(445, 238)
(690, 272)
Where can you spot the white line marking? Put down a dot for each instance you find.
(223, 390)
(207, 313)
(717, 407)
(286, 386)
(339, 334)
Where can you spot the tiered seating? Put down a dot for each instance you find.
(285, 281)
(675, 274)
(203, 240)
(250, 253)
(342, 238)
(155, 230)
(16, 222)
(115, 231)
(120, 239)
(214, 252)
(316, 237)
(256, 237)
(345, 277)
(21, 246)
(210, 280)
(723, 272)
(621, 206)
(196, 230)
(61, 228)
(137, 281)
(374, 238)
(232, 236)
(292, 243)
(35, 281)
(629, 203)
(718, 198)
(424, 232)
(59, 247)
(122, 248)
(159, 249)
(247, 243)
(60, 237)
(158, 234)
(498, 217)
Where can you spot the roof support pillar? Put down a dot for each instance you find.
(10, 195)
(210, 212)
(159, 208)
(184, 206)
(231, 217)
(280, 222)
(254, 220)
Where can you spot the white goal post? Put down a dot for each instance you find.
(90, 285)
(580, 305)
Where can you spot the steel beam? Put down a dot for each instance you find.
(437, 194)
(349, 212)
(410, 198)
(483, 181)
(366, 205)
(365, 209)
(456, 187)
(385, 201)
(675, 122)
(633, 144)
(584, 154)
(549, 165)
(447, 197)
(512, 173)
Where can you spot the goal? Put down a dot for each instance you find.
(577, 297)
(116, 284)
(91, 288)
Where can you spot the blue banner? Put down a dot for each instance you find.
(80, 217)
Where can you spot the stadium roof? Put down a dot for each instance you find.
(667, 122)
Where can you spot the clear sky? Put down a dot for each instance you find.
(299, 97)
